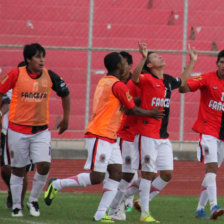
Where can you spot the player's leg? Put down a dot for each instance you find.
(128, 170)
(148, 168)
(110, 184)
(164, 165)
(209, 150)
(129, 201)
(40, 154)
(6, 168)
(18, 145)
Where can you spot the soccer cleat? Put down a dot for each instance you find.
(106, 219)
(17, 212)
(216, 211)
(50, 193)
(200, 214)
(137, 206)
(33, 208)
(119, 213)
(128, 208)
(148, 218)
(9, 201)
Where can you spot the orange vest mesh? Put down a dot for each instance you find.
(106, 116)
(30, 99)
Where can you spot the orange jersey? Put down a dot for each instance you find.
(30, 99)
(107, 112)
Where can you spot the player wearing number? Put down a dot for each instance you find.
(210, 126)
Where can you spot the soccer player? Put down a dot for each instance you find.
(101, 134)
(128, 141)
(134, 91)
(156, 150)
(210, 126)
(28, 134)
(5, 155)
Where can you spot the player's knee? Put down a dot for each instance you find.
(43, 168)
(96, 177)
(166, 175)
(115, 172)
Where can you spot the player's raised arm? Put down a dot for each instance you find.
(143, 50)
(187, 71)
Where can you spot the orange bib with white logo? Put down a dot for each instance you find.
(30, 99)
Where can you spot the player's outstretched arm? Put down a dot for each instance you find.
(143, 51)
(188, 70)
(63, 125)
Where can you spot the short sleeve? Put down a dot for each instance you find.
(59, 85)
(197, 82)
(120, 90)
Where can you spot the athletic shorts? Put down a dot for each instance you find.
(210, 150)
(29, 147)
(5, 156)
(101, 154)
(155, 154)
(130, 155)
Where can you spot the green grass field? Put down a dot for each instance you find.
(71, 208)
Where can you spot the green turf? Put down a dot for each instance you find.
(80, 208)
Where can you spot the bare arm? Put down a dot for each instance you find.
(138, 69)
(63, 125)
(188, 70)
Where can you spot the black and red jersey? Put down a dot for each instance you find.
(210, 119)
(156, 92)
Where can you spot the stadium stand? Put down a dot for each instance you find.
(118, 24)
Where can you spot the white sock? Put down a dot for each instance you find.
(39, 182)
(210, 182)
(81, 180)
(119, 196)
(144, 189)
(133, 188)
(16, 187)
(203, 198)
(129, 200)
(109, 192)
(157, 185)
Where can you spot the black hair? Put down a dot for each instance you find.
(21, 64)
(112, 60)
(128, 56)
(146, 69)
(220, 55)
(30, 50)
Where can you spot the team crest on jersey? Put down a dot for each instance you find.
(147, 159)
(129, 97)
(128, 160)
(4, 79)
(206, 151)
(102, 158)
(215, 87)
(158, 86)
(197, 78)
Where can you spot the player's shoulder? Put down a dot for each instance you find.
(208, 75)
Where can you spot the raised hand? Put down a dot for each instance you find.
(143, 49)
(193, 53)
